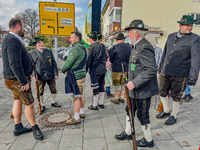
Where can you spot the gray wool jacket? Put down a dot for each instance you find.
(44, 62)
(16, 61)
(142, 71)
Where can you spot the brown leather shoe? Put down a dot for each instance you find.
(82, 115)
(73, 121)
(121, 100)
(114, 101)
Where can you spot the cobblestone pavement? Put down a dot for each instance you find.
(97, 130)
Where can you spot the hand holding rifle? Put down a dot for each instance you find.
(131, 86)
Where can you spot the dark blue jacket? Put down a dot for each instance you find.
(119, 54)
(96, 58)
(181, 56)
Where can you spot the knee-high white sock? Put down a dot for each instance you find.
(53, 98)
(164, 101)
(176, 107)
(101, 95)
(77, 116)
(42, 100)
(81, 111)
(95, 99)
(147, 132)
(128, 126)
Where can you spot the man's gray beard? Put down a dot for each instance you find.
(132, 41)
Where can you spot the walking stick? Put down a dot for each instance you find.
(131, 115)
(11, 115)
(38, 96)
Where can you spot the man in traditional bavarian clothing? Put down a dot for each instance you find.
(17, 74)
(179, 66)
(142, 81)
(75, 66)
(96, 62)
(46, 71)
(119, 55)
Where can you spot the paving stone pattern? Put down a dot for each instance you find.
(97, 130)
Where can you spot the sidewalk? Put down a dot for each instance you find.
(97, 130)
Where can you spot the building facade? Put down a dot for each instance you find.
(160, 15)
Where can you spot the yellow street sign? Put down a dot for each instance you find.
(56, 18)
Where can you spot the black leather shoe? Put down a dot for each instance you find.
(101, 106)
(37, 133)
(143, 143)
(170, 121)
(109, 95)
(55, 104)
(19, 129)
(186, 98)
(93, 108)
(123, 136)
(43, 108)
(162, 115)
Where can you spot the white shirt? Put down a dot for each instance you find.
(17, 36)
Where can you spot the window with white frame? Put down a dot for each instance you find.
(115, 15)
(111, 17)
(196, 16)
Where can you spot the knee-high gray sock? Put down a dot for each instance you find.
(147, 132)
(164, 101)
(53, 98)
(95, 98)
(42, 100)
(176, 107)
(101, 95)
(128, 126)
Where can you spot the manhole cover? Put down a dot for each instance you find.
(56, 118)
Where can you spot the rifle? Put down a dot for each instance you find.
(38, 96)
(131, 115)
(37, 90)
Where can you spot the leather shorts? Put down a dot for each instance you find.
(142, 106)
(25, 96)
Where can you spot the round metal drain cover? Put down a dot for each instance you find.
(56, 118)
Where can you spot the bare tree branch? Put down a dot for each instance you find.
(2, 28)
(30, 19)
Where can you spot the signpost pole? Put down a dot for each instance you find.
(56, 46)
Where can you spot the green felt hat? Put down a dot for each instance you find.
(37, 39)
(187, 19)
(93, 35)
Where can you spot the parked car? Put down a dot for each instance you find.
(60, 49)
(60, 54)
(65, 55)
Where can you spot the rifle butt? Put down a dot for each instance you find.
(38, 97)
(134, 143)
(11, 115)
